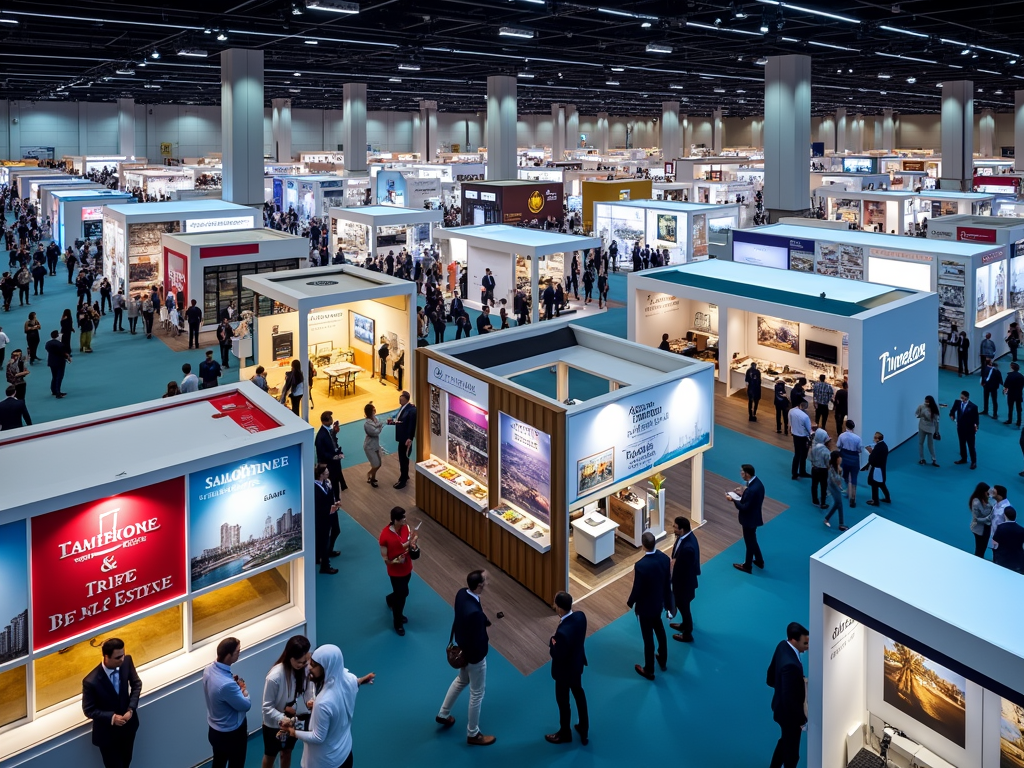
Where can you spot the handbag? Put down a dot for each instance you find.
(456, 657)
(937, 435)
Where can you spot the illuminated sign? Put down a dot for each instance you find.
(470, 194)
(220, 225)
(92, 212)
(895, 364)
(457, 383)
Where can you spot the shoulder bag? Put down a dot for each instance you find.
(456, 657)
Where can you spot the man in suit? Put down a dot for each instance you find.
(878, 457)
(405, 430)
(991, 383)
(487, 288)
(568, 658)
(963, 355)
(469, 631)
(748, 508)
(328, 452)
(786, 676)
(110, 698)
(325, 519)
(965, 414)
(1008, 541)
(13, 411)
(685, 570)
(1013, 388)
(651, 594)
(455, 308)
(57, 359)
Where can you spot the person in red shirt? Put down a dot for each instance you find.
(398, 547)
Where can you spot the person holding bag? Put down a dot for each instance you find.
(398, 547)
(294, 387)
(878, 457)
(927, 428)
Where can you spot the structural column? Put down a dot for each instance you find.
(572, 127)
(502, 113)
(281, 124)
(126, 128)
(718, 131)
(557, 131)
(986, 133)
(888, 131)
(602, 132)
(671, 132)
(958, 132)
(840, 131)
(241, 100)
(353, 128)
(1018, 130)
(425, 131)
(857, 134)
(686, 131)
(755, 132)
(787, 133)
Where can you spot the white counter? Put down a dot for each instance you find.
(594, 543)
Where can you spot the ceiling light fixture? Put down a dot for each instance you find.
(394, 79)
(883, 76)
(410, 67)
(514, 32)
(951, 42)
(993, 50)
(761, 62)
(965, 51)
(722, 29)
(527, 75)
(155, 54)
(221, 36)
(311, 42)
(618, 69)
(152, 86)
(835, 47)
(655, 48)
(999, 92)
(812, 11)
(296, 74)
(1012, 61)
(911, 79)
(676, 87)
(646, 25)
(124, 71)
(4, 20)
(333, 6)
(611, 82)
(197, 53)
(902, 31)
(989, 72)
(294, 90)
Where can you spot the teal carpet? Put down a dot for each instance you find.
(710, 709)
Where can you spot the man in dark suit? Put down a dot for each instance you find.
(1013, 388)
(748, 507)
(651, 594)
(328, 452)
(1009, 542)
(455, 308)
(991, 383)
(963, 355)
(878, 457)
(469, 632)
(487, 288)
(110, 698)
(57, 359)
(786, 676)
(405, 430)
(965, 414)
(325, 519)
(685, 570)
(568, 658)
(13, 411)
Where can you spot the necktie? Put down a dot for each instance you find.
(115, 678)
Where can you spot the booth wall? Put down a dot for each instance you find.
(502, 266)
(387, 319)
(844, 675)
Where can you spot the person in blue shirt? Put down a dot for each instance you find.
(227, 702)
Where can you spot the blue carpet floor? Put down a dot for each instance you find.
(709, 709)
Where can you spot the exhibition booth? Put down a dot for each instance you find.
(378, 229)
(872, 211)
(546, 432)
(16, 172)
(335, 318)
(684, 229)
(706, 168)
(511, 202)
(314, 196)
(612, 191)
(902, 669)
(158, 182)
(519, 258)
(26, 180)
(970, 278)
(851, 182)
(942, 202)
(793, 325)
(132, 256)
(77, 214)
(170, 550)
(406, 190)
(38, 188)
(985, 230)
(83, 164)
(209, 266)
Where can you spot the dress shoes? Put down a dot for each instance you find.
(447, 722)
(398, 486)
(663, 663)
(973, 465)
(683, 638)
(583, 737)
(675, 625)
(871, 503)
(557, 738)
(335, 553)
(960, 461)
(400, 631)
(759, 564)
(328, 570)
(640, 671)
(742, 567)
(480, 740)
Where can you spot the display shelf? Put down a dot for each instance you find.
(541, 543)
(475, 495)
(629, 514)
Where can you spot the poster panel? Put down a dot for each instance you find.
(524, 462)
(14, 596)
(244, 515)
(103, 561)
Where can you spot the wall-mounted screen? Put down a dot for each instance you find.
(901, 274)
(928, 692)
(823, 353)
(761, 255)
(362, 328)
(858, 165)
(667, 227)
(467, 437)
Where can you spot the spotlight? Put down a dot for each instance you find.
(155, 54)
(221, 36)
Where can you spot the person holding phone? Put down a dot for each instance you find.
(227, 702)
(287, 687)
(398, 547)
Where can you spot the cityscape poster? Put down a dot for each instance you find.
(14, 595)
(244, 515)
(525, 467)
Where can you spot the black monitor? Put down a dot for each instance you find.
(822, 353)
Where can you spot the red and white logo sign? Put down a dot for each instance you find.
(975, 235)
(106, 560)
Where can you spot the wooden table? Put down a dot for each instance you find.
(337, 370)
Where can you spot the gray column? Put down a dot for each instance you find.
(888, 131)
(876, 134)
(857, 134)
(557, 131)
(958, 132)
(718, 131)
(572, 127)
(5, 129)
(126, 127)
(241, 105)
(83, 127)
(986, 133)
(353, 128)
(602, 132)
(425, 131)
(1018, 130)
(841, 145)
(787, 133)
(502, 113)
(755, 132)
(671, 132)
(281, 124)
(686, 130)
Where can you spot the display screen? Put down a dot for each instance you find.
(928, 692)
(1017, 279)
(525, 467)
(901, 274)
(244, 515)
(14, 596)
(858, 165)
(467, 436)
(823, 353)
(92, 212)
(362, 328)
(762, 252)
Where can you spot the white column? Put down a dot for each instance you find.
(557, 131)
(888, 131)
(83, 127)
(1018, 130)
(241, 100)
(686, 130)
(958, 132)
(671, 132)
(425, 131)
(755, 132)
(787, 132)
(126, 127)
(602, 132)
(353, 128)
(827, 131)
(572, 127)
(718, 128)
(502, 113)
(281, 124)
(986, 132)
(857, 134)
(841, 131)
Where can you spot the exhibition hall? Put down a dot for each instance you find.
(651, 369)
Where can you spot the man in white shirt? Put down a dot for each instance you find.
(191, 382)
(800, 429)
(1000, 503)
(4, 341)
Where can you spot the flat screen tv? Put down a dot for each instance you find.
(822, 353)
(362, 328)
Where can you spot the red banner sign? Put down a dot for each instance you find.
(975, 235)
(106, 560)
(240, 410)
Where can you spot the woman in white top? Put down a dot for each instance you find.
(371, 443)
(327, 743)
(288, 686)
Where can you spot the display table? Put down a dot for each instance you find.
(447, 476)
(738, 372)
(522, 526)
(594, 535)
(339, 371)
(629, 514)
(241, 347)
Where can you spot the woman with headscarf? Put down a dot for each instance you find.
(328, 742)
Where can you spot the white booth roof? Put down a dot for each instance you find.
(948, 194)
(866, 194)
(237, 237)
(315, 287)
(876, 240)
(180, 208)
(675, 206)
(984, 222)
(386, 215)
(85, 194)
(519, 240)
